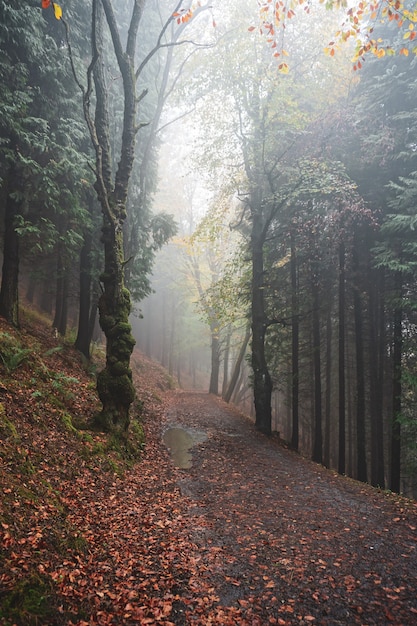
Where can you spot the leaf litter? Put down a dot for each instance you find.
(251, 534)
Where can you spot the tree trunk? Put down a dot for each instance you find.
(164, 342)
(82, 342)
(236, 370)
(396, 388)
(225, 381)
(329, 382)
(61, 295)
(318, 437)
(172, 336)
(295, 339)
(93, 327)
(31, 289)
(342, 380)
(360, 375)
(262, 383)
(215, 362)
(376, 373)
(9, 294)
(114, 384)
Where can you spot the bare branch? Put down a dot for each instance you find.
(175, 41)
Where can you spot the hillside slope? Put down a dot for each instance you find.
(47, 401)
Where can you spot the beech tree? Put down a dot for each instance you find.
(114, 383)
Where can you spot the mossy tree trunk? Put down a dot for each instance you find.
(114, 384)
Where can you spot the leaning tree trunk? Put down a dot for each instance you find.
(237, 368)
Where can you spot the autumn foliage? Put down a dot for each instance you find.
(56, 8)
(358, 25)
(251, 535)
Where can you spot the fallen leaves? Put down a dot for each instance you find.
(262, 536)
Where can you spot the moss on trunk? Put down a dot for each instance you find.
(114, 384)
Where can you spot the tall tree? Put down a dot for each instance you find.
(114, 383)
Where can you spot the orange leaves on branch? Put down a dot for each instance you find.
(185, 15)
(359, 22)
(56, 8)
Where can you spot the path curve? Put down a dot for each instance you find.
(277, 539)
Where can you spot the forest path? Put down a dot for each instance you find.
(276, 539)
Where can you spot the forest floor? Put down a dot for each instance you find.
(250, 534)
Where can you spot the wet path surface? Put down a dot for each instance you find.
(280, 540)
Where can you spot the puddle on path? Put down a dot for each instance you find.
(180, 441)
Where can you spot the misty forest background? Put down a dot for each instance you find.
(270, 239)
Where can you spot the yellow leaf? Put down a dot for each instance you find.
(57, 11)
(283, 68)
(404, 51)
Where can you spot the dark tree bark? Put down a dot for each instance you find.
(318, 436)
(329, 382)
(9, 294)
(360, 373)
(114, 384)
(396, 387)
(237, 368)
(31, 289)
(61, 294)
(360, 394)
(377, 336)
(225, 382)
(213, 323)
(164, 342)
(295, 340)
(262, 383)
(172, 336)
(82, 342)
(215, 361)
(342, 379)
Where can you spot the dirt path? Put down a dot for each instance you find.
(275, 539)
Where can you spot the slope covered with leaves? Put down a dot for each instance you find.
(250, 535)
(54, 468)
